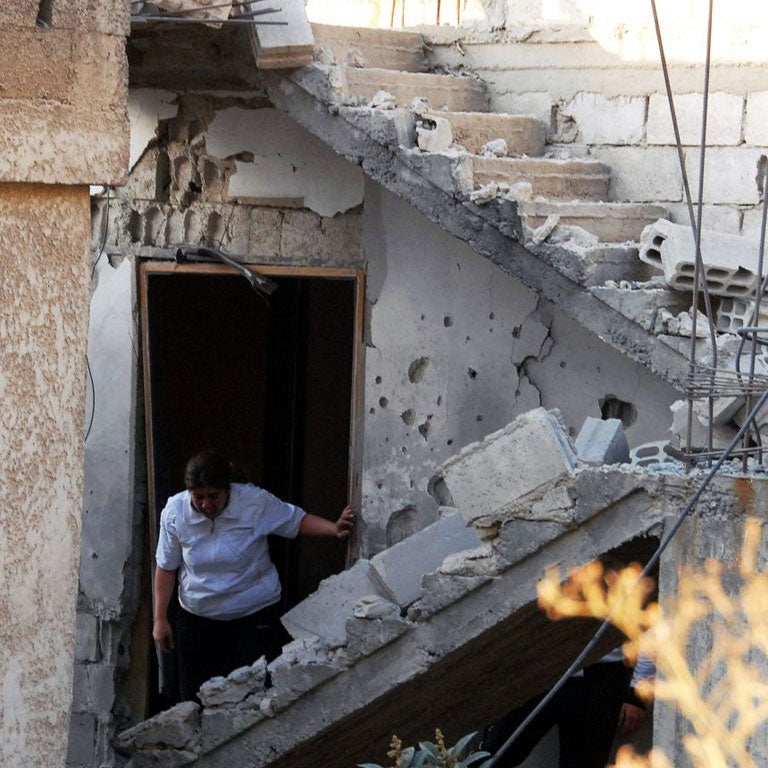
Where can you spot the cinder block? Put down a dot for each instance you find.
(653, 454)
(756, 122)
(733, 314)
(82, 735)
(607, 121)
(729, 174)
(642, 174)
(724, 119)
(532, 450)
(730, 261)
(401, 567)
(324, 613)
(86, 637)
(602, 441)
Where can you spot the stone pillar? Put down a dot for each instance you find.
(44, 294)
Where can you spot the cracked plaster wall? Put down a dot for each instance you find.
(43, 294)
(456, 350)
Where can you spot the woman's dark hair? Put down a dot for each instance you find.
(208, 469)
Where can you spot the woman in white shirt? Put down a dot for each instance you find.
(213, 538)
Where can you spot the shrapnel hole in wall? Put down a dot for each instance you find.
(45, 14)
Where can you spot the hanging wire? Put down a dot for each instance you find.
(91, 382)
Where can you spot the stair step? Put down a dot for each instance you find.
(457, 94)
(551, 178)
(524, 135)
(610, 222)
(380, 48)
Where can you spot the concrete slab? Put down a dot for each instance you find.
(324, 613)
(401, 567)
(533, 450)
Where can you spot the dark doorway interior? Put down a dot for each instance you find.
(268, 382)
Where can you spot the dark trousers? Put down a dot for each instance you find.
(586, 712)
(207, 648)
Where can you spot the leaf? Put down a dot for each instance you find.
(430, 749)
(458, 748)
(475, 757)
(406, 757)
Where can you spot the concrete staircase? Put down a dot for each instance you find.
(538, 213)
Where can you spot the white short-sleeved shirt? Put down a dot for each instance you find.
(223, 565)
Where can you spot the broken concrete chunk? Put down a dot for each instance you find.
(439, 590)
(231, 690)
(540, 234)
(721, 435)
(324, 613)
(420, 105)
(730, 261)
(495, 148)
(528, 453)
(480, 561)
(433, 134)
(401, 567)
(355, 58)
(325, 56)
(681, 324)
(602, 441)
(374, 607)
(383, 100)
(519, 191)
(306, 650)
(176, 728)
(487, 193)
(364, 636)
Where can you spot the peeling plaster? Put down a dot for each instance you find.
(287, 162)
(146, 107)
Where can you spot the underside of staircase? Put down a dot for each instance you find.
(536, 212)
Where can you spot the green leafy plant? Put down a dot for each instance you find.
(437, 755)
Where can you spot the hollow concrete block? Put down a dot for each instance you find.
(486, 476)
(325, 612)
(401, 567)
(730, 261)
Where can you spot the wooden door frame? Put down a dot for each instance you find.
(150, 268)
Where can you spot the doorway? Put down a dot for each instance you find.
(270, 382)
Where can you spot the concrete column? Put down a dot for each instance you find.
(44, 293)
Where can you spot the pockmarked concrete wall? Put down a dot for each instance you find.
(43, 324)
(63, 84)
(456, 349)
